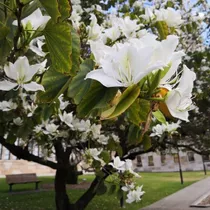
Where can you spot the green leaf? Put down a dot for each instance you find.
(93, 98)
(55, 84)
(5, 47)
(159, 116)
(138, 111)
(154, 81)
(105, 156)
(147, 144)
(64, 8)
(125, 101)
(30, 8)
(25, 129)
(162, 29)
(58, 40)
(78, 86)
(59, 10)
(47, 111)
(133, 113)
(134, 134)
(4, 30)
(51, 7)
(75, 51)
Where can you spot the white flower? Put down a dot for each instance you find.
(94, 30)
(6, 106)
(148, 16)
(67, 118)
(96, 130)
(36, 46)
(117, 163)
(170, 16)
(18, 121)
(112, 33)
(126, 64)
(51, 129)
(32, 107)
(94, 153)
(128, 187)
(36, 19)
(63, 134)
(138, 4)
(172, 127)
(102, 139)
(77, 8)
(135, 195)
(38, 128)
(63, 104)
(158, 130)
(179, 100)
(99, 50)
(128, 166)
(128, 26)
(83, 126)
(22, 73)
(75, 18)
(115, 138)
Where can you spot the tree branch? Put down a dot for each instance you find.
(188, 147)
(21, 153)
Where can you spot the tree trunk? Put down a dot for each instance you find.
(61, 197)
(72, 177)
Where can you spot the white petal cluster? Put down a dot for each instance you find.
(135, 195)
(179, 100)
(18, 121)
(36, 19)
(51, 129)
(36, 46)
(21, 72)
(159, 129)
(123, 65)
(6, 106)
(170, 16)
(94, 153)
(123, 166)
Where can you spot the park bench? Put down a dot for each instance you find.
(22, 179)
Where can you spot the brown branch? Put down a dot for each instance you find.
(24, 154)
(17, 36)
(190, 147)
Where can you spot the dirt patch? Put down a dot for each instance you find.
(205, 201)
(81, 186)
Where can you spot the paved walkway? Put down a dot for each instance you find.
(182, 199)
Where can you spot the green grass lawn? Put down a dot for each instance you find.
(156, 186)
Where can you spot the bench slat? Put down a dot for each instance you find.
(21, 178)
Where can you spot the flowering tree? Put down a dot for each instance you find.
(85, 83)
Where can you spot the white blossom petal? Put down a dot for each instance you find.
(33, 86)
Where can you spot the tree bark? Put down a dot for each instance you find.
(72, 177)
(61, 197)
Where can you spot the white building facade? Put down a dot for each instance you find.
(157, 162)
(9, 164)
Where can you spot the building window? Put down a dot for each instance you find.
(139, 161)
(206, 158)
(150, 161)
(190, 156)
(176, 158)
